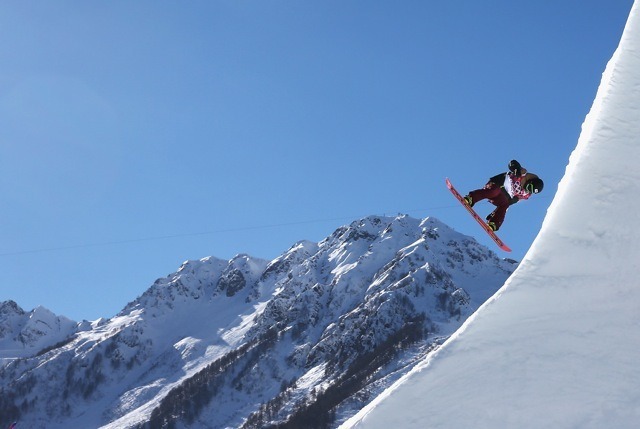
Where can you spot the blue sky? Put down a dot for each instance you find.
(137, 135)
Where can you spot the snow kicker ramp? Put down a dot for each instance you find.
(559, 345)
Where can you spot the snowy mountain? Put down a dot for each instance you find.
(558, 345)
(305, 340)
(24, 334)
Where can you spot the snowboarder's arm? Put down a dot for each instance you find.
(498, 179)
(515, 168)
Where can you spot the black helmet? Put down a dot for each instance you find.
(534, 185)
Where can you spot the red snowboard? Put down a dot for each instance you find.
(482, 223)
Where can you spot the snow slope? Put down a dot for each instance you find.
(558, 345)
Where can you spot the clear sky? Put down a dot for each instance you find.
(137, 135)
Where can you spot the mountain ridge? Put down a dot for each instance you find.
(266, 341)
(24, 333)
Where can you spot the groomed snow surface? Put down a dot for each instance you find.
(559, 345)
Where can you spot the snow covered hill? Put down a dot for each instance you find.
(558, 345)
(24, 333)
(304, 340)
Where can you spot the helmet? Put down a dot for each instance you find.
(534, 185)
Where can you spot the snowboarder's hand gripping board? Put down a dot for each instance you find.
(482, 223)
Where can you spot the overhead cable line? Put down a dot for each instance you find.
(193, 234)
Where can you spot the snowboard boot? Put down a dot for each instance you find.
(492, 226)
(468, 200)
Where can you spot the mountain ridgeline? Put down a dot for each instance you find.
(304, 340)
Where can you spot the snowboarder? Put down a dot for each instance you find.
(506, 189)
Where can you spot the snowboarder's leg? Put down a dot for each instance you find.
(484, 193)
(497, 216)
(501, 201)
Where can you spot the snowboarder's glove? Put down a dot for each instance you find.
(513, 200)
(515, 168)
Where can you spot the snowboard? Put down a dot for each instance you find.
(482, 223)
